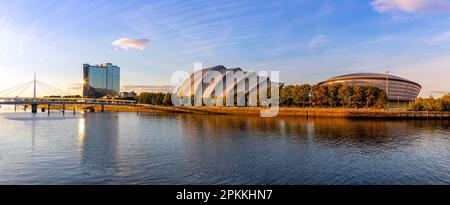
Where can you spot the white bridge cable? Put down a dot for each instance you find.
(18, 90)
(52, 88)
(46, 91)
(15, 88)
(23, 90)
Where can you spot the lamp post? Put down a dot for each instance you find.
(387, 83)
(387, 86)
(34, 87)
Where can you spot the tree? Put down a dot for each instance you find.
(417, 105)
(345, 94)
(382, 99)
(286, 94)
(318, 95)
(152, 98)
(431, 104)
(167, 99)
(371, 94)
(302, 94)
(333, 95)
(358, 96)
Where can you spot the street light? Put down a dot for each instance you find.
(387, 83)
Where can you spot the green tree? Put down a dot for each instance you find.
(286, 95)
(152, 98)
(318, 95)
(333, 95)
(167, 99)
(371, 94)
(345, 95)
(359, 94)
(302, 94)
(381, 99)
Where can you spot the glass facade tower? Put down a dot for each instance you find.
(101, 80)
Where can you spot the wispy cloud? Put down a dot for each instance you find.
(386, 6)
(440, 38)
(439, 93)
(317, 40)
(432, 73)
(378, 40)
(133, 43)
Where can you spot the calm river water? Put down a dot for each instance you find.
(125, 148)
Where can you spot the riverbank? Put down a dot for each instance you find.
(286, 112)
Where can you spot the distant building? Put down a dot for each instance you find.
(397, 88)
(101, 80)
(131, 94)
(138, 89)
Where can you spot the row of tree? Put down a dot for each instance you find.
(337, 95)
(155, 99)
(431, 104)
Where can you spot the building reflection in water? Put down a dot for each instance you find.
(98, 141)
(81, 130)
(357, 130)
(301, 131)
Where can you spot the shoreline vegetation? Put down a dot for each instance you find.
(286, 112)
(308, 101)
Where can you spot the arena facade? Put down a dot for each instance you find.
(397, 88)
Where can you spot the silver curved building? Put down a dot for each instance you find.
(396, 87)
(207, 81)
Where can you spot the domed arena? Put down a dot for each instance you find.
(397, 88)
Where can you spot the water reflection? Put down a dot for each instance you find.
(343, 129)
(33, 130)
(98, 136)
(125, 148)
(81, 130)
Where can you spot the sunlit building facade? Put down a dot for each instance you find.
(101, 80)
(397, 88)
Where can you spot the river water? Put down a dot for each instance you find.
(125, 148)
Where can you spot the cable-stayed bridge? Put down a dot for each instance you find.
(15, 96)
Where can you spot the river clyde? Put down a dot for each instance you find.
(125, 148)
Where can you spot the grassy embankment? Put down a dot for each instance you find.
(285, 112)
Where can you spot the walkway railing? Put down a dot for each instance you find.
(30, 100)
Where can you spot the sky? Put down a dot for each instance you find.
(306, 40)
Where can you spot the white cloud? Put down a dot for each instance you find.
(317, 41)
(133, 43)
(386, 6)
(431, 73)
(440, 38)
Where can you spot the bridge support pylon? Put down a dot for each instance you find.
(34, 108)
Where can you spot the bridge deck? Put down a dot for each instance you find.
(65, 101)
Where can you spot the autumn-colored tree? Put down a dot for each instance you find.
(381, 99)
(359, 96)
(318, 95)
(302, 94)
(167, 99)
(332, 98)
(345, 94)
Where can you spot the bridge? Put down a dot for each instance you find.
(47, 102)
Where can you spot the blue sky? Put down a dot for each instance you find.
(306, 40)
